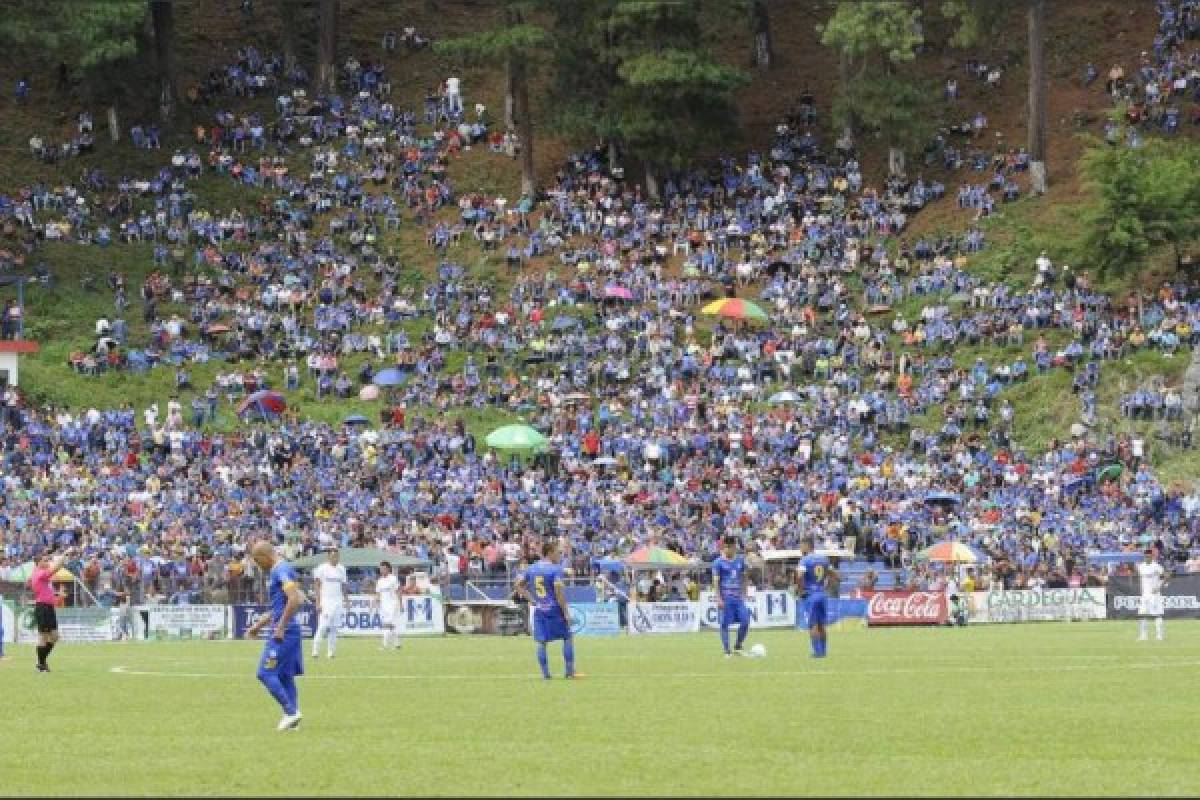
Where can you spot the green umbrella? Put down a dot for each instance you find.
(1109, 473)
(516, 437)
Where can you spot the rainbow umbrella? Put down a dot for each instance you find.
(949, 552)
(735, 308)
(655, 558)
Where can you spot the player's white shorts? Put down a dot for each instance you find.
(387, 616)
(331, 616)
(1150, 605)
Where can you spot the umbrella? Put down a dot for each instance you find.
(879, 308)
(942, 499)
(780, 398)
(63, 574)
(390, 377)
(950, 552)
(565, 323)
(735, 308)
(619, 292)
(655, 558)
(605, 461)
(356, 419)
(1109, 473)
(264, 401)
(217, 329)
(369, 392)
(516, 437)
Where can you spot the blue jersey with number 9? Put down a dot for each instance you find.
(815, 569)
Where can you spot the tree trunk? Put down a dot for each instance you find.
(763, 53)
(651, 183)
(287, 26)
(510, 95)
(524, 114)
(327, 34)
(895, 161)
(612, 154)
(844, 87)
(1037, 95)
(163, 14)
(114, 125)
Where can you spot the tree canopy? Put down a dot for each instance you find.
(1147, 197)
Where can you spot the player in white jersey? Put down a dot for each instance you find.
(1152, 578)
(387, 601)
(331, 594)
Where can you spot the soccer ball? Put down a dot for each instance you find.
(758, 651)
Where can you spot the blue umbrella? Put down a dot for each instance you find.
(942, 499)
(390, 377)
(564, 323)
(356, 419)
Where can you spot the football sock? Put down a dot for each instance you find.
(725, 638)
(543, 660)
(569, 655)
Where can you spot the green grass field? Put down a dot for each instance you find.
(999, 710)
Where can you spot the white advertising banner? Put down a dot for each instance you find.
(768, 609)
(664, 617)
(8, 620)
(74, 625)
(416, 615)
(1037, 605)
(181, 622)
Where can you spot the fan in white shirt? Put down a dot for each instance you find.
(331, 592)
(1152, 578)
(387, 600)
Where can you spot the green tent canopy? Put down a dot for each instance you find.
(362, 557)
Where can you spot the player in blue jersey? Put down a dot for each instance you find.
(812, 574)
(544, 586)
(729, 579)
(283, 653)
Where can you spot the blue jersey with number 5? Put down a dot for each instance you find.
(542, 578)
(815, 568)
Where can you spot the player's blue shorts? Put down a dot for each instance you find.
(818, 613)
(550, 625)
(734, 612)
(283, 658)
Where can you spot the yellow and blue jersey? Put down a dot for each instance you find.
(283, 577)
(541, 578)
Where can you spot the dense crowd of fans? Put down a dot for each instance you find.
(801, 427)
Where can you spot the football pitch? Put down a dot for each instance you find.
(1076, 709)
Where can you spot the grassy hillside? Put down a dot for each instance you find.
(61, 318)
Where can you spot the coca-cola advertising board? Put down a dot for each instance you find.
(906, 608)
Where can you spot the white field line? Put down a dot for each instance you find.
(530, 676)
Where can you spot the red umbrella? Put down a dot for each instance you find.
(264, 402)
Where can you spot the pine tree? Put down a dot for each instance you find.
(872, 38)
(518, 44)
(91, 35)
(637, 73)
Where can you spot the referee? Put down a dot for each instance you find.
(44, 598)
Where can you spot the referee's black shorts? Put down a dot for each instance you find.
(45, 618)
